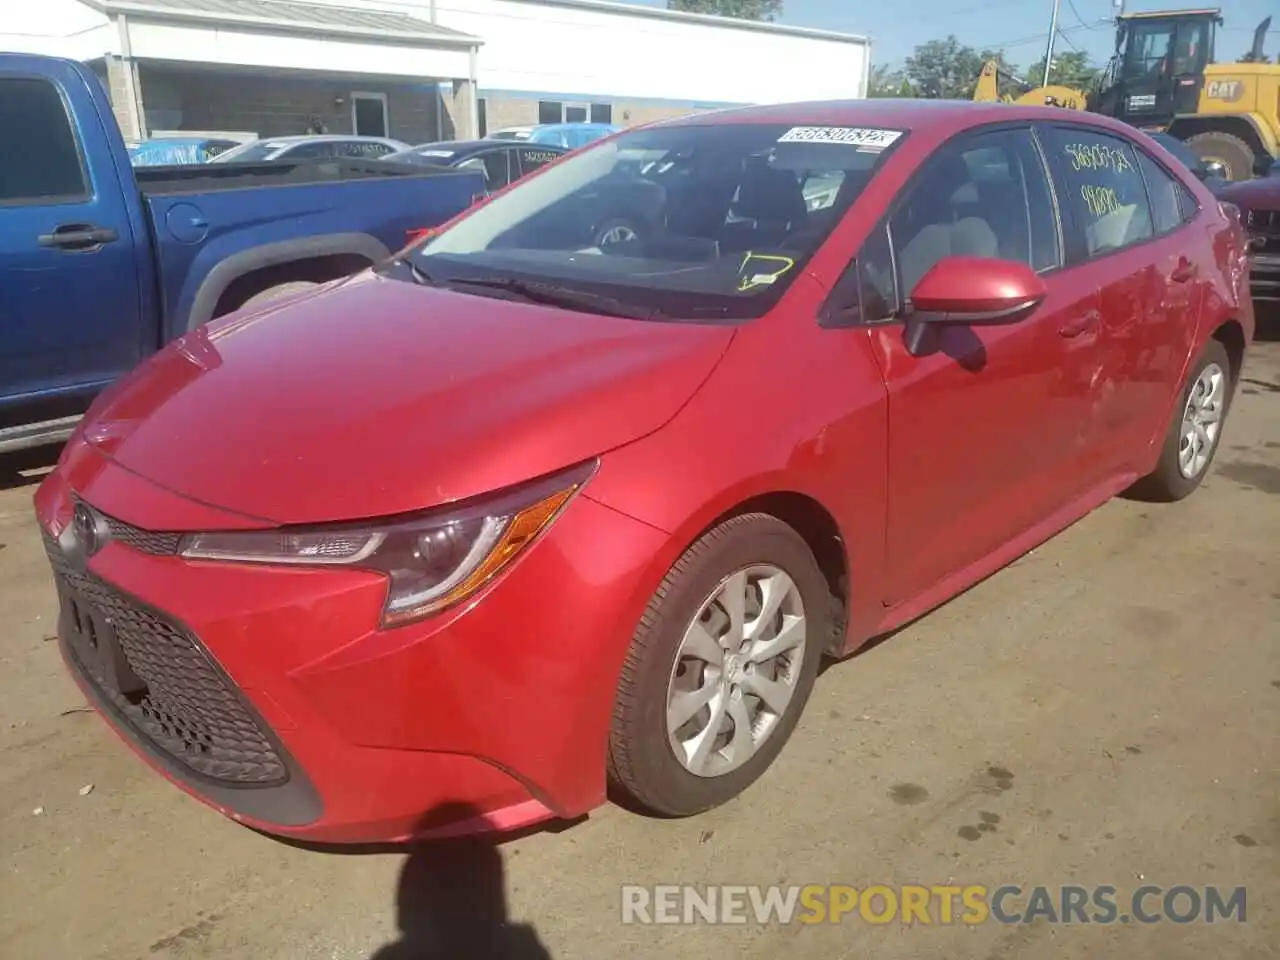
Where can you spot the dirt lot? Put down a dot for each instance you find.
(1105, 711)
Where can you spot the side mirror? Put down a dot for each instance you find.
(1262, 164)
(971, 291)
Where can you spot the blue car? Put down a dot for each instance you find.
(570, 135)
(501, 161)
(169, 151)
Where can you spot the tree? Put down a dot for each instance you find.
(1070, 69)
(767, 10)
(948, 70)
(886, 82)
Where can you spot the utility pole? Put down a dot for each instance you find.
(1048, 53)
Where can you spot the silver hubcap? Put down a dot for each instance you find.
(1202, 420)
(618, 234)
(736, 670)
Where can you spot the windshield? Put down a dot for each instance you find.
(250, 152)
(682, 221)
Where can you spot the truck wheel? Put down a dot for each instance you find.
(1196, 430)
(279, 290)
(720, 667)
(1229, 150)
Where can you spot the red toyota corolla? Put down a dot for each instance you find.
(517, 515)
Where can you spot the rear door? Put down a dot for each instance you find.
(1146, 278)
(980, 429)
(70, 308)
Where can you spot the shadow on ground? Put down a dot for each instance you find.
(1266, 323)
(451, 900)
(27, 467)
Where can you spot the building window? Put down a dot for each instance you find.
(369, 115)
(550, 111)
(602, 113)
(482, 119)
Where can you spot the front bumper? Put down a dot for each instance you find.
(270, 694)
(1264, 275)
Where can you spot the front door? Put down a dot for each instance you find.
(70, 308)
(980, 426)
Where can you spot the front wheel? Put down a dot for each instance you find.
(720, 668)
(1235, 155)
(1196, 430)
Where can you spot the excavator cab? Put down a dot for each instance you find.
(1157, 70)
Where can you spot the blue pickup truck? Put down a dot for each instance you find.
(102, 263)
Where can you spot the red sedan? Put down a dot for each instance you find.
(514, 516)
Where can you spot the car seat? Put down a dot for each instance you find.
(769, 207)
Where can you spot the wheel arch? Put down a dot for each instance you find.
(801, 511)
(1243, 125)
(1230, 333)
(319, 258)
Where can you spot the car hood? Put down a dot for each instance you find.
(378, 396)
(1262, 193)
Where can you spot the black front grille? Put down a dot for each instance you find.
(155, 542)
(179, 700)
(1263, 222)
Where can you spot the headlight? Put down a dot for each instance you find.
(432, 561)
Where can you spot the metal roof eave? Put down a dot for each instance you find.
(437, 36)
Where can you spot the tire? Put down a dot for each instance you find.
(643, 760)
(1169, 481)
(278, 291)
(1229, 150)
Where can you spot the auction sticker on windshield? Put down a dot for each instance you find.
(868, 138)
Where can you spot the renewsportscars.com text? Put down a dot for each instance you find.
(940, 904)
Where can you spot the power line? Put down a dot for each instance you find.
(1039, 37)
(1072, 5)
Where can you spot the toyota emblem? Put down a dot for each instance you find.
(84, 529)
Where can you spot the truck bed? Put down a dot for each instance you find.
(210, 177)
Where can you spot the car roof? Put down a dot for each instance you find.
(323, 137)
(942, 117)
(466, 146)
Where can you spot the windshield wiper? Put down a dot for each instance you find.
(535, 291)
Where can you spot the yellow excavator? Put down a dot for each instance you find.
(1162, 76)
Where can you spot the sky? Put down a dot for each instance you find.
(1019, 27)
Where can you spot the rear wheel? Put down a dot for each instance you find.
(720, 667)
(1235, 155)
(1196, 431)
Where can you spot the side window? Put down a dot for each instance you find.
(497, 169)
(309, 151)
(1162, 190)
(489, 164)
(363, 149)
(877, 293)
(1188, 204)
(1104, 188)
(531, 159)
(985, 196)
(39, 156)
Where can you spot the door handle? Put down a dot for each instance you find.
(1078, 325)
(1184, 271)
(79, 237)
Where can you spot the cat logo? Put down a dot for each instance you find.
(1228, 90)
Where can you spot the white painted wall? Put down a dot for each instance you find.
(543, 47)
(614, 50)
(598, 50)
(58, 28)
(237, 47)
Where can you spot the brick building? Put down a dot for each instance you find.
(421, 70)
